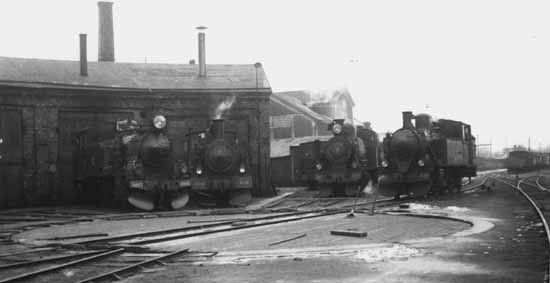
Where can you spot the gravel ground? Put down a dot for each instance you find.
(505, 244)
(510, 249)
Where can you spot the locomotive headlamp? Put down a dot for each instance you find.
(159, 122)
(337, 129)
(319, 166)
(384, 163)
(420, 163)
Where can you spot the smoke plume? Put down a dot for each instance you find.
(224, 106)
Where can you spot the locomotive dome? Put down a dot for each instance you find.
(423, 121)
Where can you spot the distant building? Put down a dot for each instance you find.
(292, 122)
(289, 117)
(301, 116)
(336, 105)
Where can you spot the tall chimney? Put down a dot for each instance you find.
(202, 53)
(217, 128)
(106, 33)
(407, 119)
(83, 55)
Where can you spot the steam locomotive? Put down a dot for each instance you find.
(427, 157)
(137, 166)
(335, 167)
(523, 160)
(219, 165)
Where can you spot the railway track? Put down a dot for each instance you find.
(107, 257)
(539, 198)
(301, 212)
(90, 266)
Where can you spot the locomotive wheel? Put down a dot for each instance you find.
(240, 198)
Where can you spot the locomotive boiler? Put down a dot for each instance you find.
(136, 166)
(217, 165)
(427, 157)
(336, 166)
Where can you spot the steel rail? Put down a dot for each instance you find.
(540, 186)
(323, 213)
(253, 225)
(115, 273)
(60, 266)
(185, 229)
(540, 214)
(48, 259)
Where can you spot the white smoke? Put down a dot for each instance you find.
(224, 106)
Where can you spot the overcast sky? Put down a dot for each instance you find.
(486, 63)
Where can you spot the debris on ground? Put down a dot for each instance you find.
(350, 233)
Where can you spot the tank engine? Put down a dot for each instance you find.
(426, 157)
(136, 165)
(218, 165)
(336, 166)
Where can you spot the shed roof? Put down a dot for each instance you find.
(131, 75)
(298, 107)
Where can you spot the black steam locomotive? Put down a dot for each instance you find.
(337, 166)
(137, 166)
(217, 165)
(428, 157)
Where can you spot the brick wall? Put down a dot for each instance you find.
(43, 180)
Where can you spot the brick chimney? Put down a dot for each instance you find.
(83, 55)
(202, 52)
(106, 42)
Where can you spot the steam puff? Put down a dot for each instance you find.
(224, 106)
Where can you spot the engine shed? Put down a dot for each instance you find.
(43, 103)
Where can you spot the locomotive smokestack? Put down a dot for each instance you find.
(217, 128)
(202, 53)
(83, 55)
(106, 34)
(407, 119)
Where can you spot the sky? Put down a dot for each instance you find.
(484, 62)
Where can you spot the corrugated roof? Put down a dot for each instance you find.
(281, 147)
(297, 106)
(131, 75)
